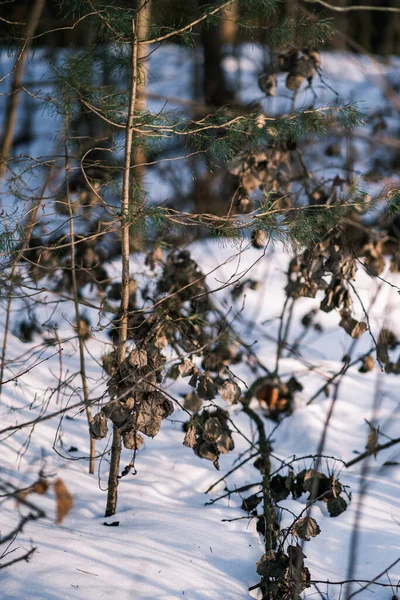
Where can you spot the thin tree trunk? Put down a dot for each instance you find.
(123, 325)
(14, 96)
(139, 155)
(143, 27)
(82, 364)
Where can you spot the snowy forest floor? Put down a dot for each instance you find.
(169, 544)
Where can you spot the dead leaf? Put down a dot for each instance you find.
(206, 388)
(230, 391)
(336, 506)
(187, 368)
(372, 441)
(138, 358)
(306, 528)
(98, 427)
(64, 500)
(368, 364)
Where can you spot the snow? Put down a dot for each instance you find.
(169, 544)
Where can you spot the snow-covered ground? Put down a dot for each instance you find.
(168, 544)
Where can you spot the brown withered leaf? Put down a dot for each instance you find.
(352, 326)
(138, 358)
(280, 487)
(156, 256)
(191, 437)
(64, 500)
(225, 443)
(306, 528)
(230, 391)
(208, 451)
(293, 82)
(316, 483)
(132, 440)
(336, 505)
(386, 339)
(251, 502)
(268, 393)
(212, 429)
(98, 426)
(206, 388)
(152, 412)
(267, 82)
(373, 438)
(39, 487)
(259, 239)
(368, 364)
(192, 402)
(187, 368)
(272, 564)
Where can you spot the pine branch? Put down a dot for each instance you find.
(188, 27)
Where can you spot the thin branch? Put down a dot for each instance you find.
(374, 579)
(352, 8)
(375, 450)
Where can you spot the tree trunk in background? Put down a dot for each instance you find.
(342, 24)
(215, 88)
(363, 25)
(229, 26)
(291, 9)
(14, 96)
